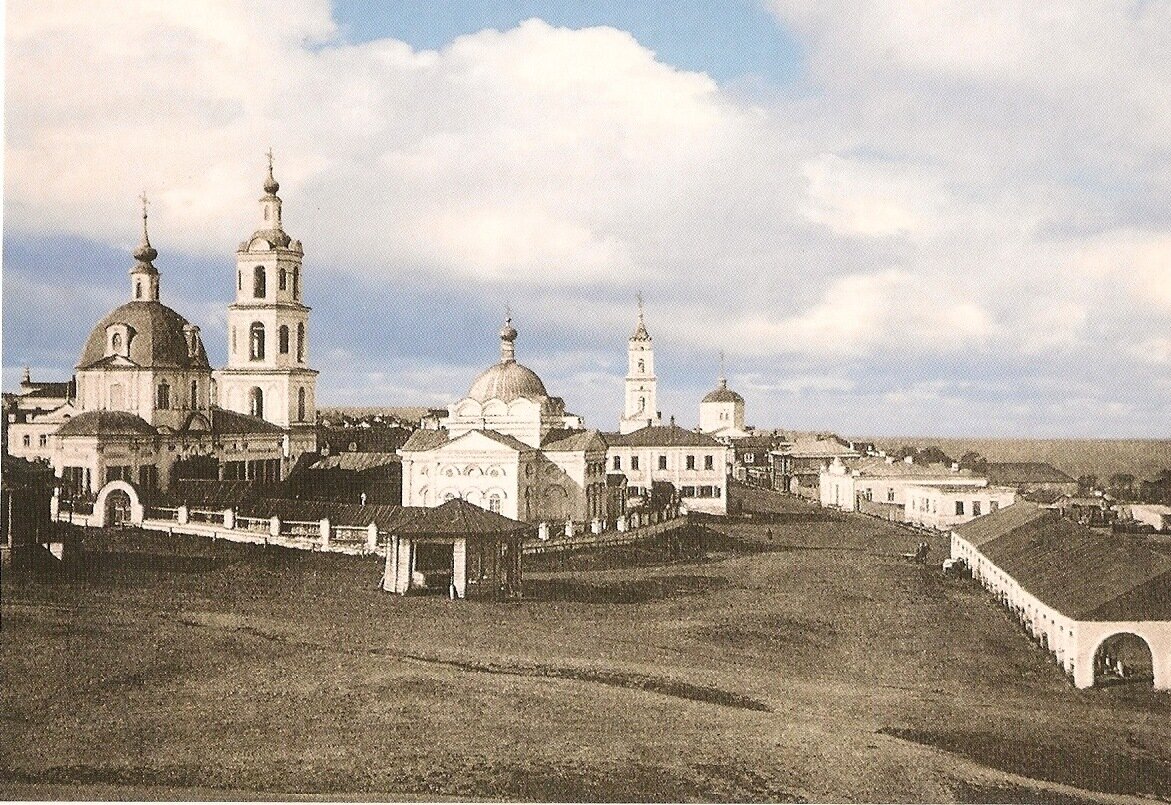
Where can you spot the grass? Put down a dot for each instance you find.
(802, 659)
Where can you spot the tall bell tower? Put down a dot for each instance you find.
(641, 401)
(268, 374)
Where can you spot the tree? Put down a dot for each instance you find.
(973, 461)
(1121, 486)
(1087, 484)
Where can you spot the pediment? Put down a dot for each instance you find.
(476, 440)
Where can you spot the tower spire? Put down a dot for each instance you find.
(640, 331)
(144, 276)
(723, 376)
(507, 338)
(271, 185)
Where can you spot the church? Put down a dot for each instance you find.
(149, 409)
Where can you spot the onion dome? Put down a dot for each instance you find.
(271, 185)
(144, 253)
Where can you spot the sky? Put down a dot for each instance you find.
(895, 218)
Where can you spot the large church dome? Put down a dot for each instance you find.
(507, 380)
(155, 336)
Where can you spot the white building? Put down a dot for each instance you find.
(944, 506)
(878, 485)
(641, 384)
(1085, 596)
(510, 447)
(268, 374)
(721, 412)
(694, 463)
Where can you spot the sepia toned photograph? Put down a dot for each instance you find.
(586, 401)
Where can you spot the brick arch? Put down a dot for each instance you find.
(103, 498)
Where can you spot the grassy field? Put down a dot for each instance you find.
(1143, 458)
(810, 663)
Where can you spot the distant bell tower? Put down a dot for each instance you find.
(268, 374)
(641, 401)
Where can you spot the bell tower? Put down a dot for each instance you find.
(268, 374)
(641, 401)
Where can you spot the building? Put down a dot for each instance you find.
(694, 464)
(268, 374)
(1029, 476)
(1087, 597)
(878, 485)
(751, 460)
(721, 412)
(944, 506)
(511, 448)
(33, 413)
(1155, 515)
(797, 467)
(641, 384)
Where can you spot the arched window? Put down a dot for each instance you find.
(641, 365)
(233, 340)
(194, 394)
(283, 339)
(239, 280)
(116, 342)
(300, 342)
(138, 290)
(283, 276)
(642, 403)
(296, 284)
(301, 404)
(163, 400)
(256, 341)
(494, 503)
(259, 289)
(256, 402)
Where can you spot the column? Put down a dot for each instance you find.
(324, 531)
(459, 566)
(372, 537)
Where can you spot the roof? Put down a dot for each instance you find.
(640, 332)
(507, 381)
(225, 421)
(425, 439)
(52, 390)
(1023, 473)
(158, 339)
(455, 518)
(355, 462)
(661, 436)
(504, 439)
(877, 467)
(107, 423)
(817, 448)
(1084, 574)
(965, 488)
(569, 440)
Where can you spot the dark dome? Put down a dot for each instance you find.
(106, 423)
(723, 394)
(507, 381)
(160, 338)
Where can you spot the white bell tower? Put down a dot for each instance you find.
(268, 372)
(641, 401)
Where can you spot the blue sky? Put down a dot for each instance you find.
(894, 219)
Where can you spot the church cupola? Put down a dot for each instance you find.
(508, 342)
(270, 203)
(144, 277)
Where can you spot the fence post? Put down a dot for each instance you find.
(568, 528)
(621, 524)
(543, 532)
(372, 537)
(596, 526)
(229, 519)
(325, 533)
(274, 527)
(181, 515)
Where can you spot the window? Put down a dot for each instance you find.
(709, 462)
(617, 462)
(27, 441)
(662, 462)
(691, 462)
(194, 394)
(116, 342)
(494, 503)
(283, 339)
(890, 495)
(163, 401)
(256, 341)
(256, 402)
(975, 508)
(296, 279)
(239, 280)
(715, 492)
(993, 505)
(300, 341)
(44, 440)
(959, 507)
(301, 404)
(641, 366)
(259, 286)
(233, 340)
(634, 462)
(138, 290)
(642, 403)
(687, 492)
(283, 278)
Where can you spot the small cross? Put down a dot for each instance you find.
(508, 312)
(639, 297)
(144, 201)
(269, 155)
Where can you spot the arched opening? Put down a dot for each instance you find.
(296, 284)
(259, 286)
(256, 341)
(555, 504)
(163, 401)
(117, 508)
(283, 278)
(301, 404)
(641, 366)
(300, 341)
(138, 290)
(194, 395)
(239, 280)
(256, 402)
(494, 503)
(283, 339)
(1123, 659)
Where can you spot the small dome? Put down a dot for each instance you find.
(723, 394)
(508, 332)
(160, 338)
(507, 381)
(271, 185)
(144, 252)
